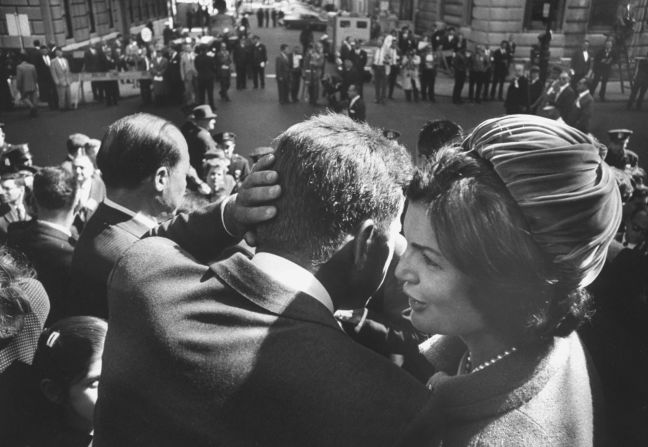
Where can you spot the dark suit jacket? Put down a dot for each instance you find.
(259, 54)
(110, 232)
(535, 92)
(7, 217)
(223, 355)
(517, 97)
(50, 252)
(565, 103)
(578, 64)
(357, 111)
(282, 68)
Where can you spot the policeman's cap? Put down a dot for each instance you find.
(619, 135)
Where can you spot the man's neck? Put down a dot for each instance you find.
(63, 218)
(135, 200)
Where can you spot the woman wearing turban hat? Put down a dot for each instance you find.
(503, 235)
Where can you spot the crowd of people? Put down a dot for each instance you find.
(158, 289)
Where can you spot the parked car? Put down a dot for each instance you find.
(302, 19)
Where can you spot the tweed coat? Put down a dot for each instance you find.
(541, 395)
(110, 232)
(224, 355)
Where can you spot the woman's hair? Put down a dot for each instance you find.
(481, 230)
(14, 305)
(67, 348)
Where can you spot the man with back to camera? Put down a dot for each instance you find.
(144, 161)
(48, 241)
(247, 351)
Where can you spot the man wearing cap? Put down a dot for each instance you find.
(618, 154)
(196, 131)
(239, 167)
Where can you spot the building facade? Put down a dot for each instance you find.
(73, 24)
(572, 21)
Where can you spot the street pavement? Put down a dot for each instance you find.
(257, 117)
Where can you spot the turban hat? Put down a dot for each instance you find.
(567, 194)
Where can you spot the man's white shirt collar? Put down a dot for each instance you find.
(292, 276)
(139, 217)
(58, 227)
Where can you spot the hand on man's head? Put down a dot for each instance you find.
(253, 202)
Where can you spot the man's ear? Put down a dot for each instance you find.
(161, 178)
(362, 243)
(52, 391)
(372, 253)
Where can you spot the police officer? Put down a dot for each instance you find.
(618, 155)
(239, 167)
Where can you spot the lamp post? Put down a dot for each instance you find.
(548, 8)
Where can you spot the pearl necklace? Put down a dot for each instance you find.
(489, 362)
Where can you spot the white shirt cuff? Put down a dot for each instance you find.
(358, 327)
(222, 213)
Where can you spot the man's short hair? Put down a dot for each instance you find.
(436, 134)
(334, 173)
(135, 147)
(55, 188)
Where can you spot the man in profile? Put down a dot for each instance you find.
(247, 351)
(144, 161)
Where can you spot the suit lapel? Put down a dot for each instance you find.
(241, 274)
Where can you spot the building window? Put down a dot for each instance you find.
(111, 19)
(603, 13)
(69, 30)
(91, 16)
(536, 12)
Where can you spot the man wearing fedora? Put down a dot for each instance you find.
(196, 130)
